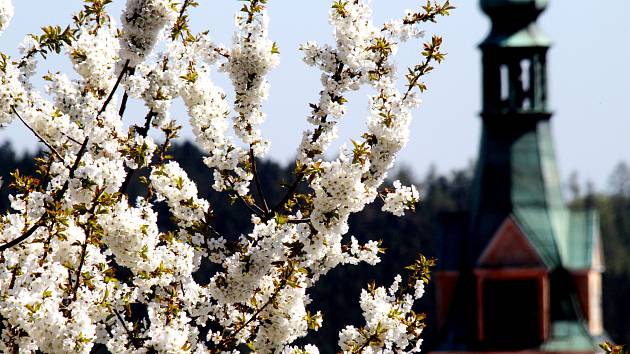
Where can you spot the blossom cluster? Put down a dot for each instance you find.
(94, 55)
(401, 199)
(6, 14)
(85, 267)
(12, 91)
(251, 58)
(143, 21)
(172, 184)
(391, 324)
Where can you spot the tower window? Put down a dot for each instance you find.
(526, 83)
(505, 82)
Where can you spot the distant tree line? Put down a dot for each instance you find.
(403, 238)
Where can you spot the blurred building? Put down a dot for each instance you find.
(520, 271)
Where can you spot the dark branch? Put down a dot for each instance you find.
(288, 195)
(143, 132)
(131, 336)
(123, 103)
(259, 190)
(113, 91)
(52, 149)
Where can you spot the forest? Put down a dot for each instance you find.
(403, 238)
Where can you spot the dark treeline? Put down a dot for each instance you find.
(337, 293)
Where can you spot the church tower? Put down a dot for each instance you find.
(519, 271)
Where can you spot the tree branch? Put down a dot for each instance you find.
(144, 131)
(50, 147)
(259, 190)
(288, 195)
(113, 91)
(130, 334)
(254, 209)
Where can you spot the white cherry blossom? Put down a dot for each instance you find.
(6, 14)
(82, 265)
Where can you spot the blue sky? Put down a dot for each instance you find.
(589, 78)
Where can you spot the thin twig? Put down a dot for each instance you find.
(123, 103)
(52, 149)
(181, 284)
(73, 169)
(24, 236)
(88, 230)
(259, 190)
(130, 334)
(420, 72)
(253, 208)
(288, 195)
(81, 262)
(184, 6)
(71, 138)
(298, 221)
(144, 131)
(113, 91)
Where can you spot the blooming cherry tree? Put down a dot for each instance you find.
(84, 267)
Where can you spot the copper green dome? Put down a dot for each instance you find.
(514, 23)
(490, 5)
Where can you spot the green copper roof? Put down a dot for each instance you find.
(535, 179)
(526, 37)
(562, 237)
(537, 226)
(576, 246)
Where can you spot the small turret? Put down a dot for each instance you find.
(514, 58)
